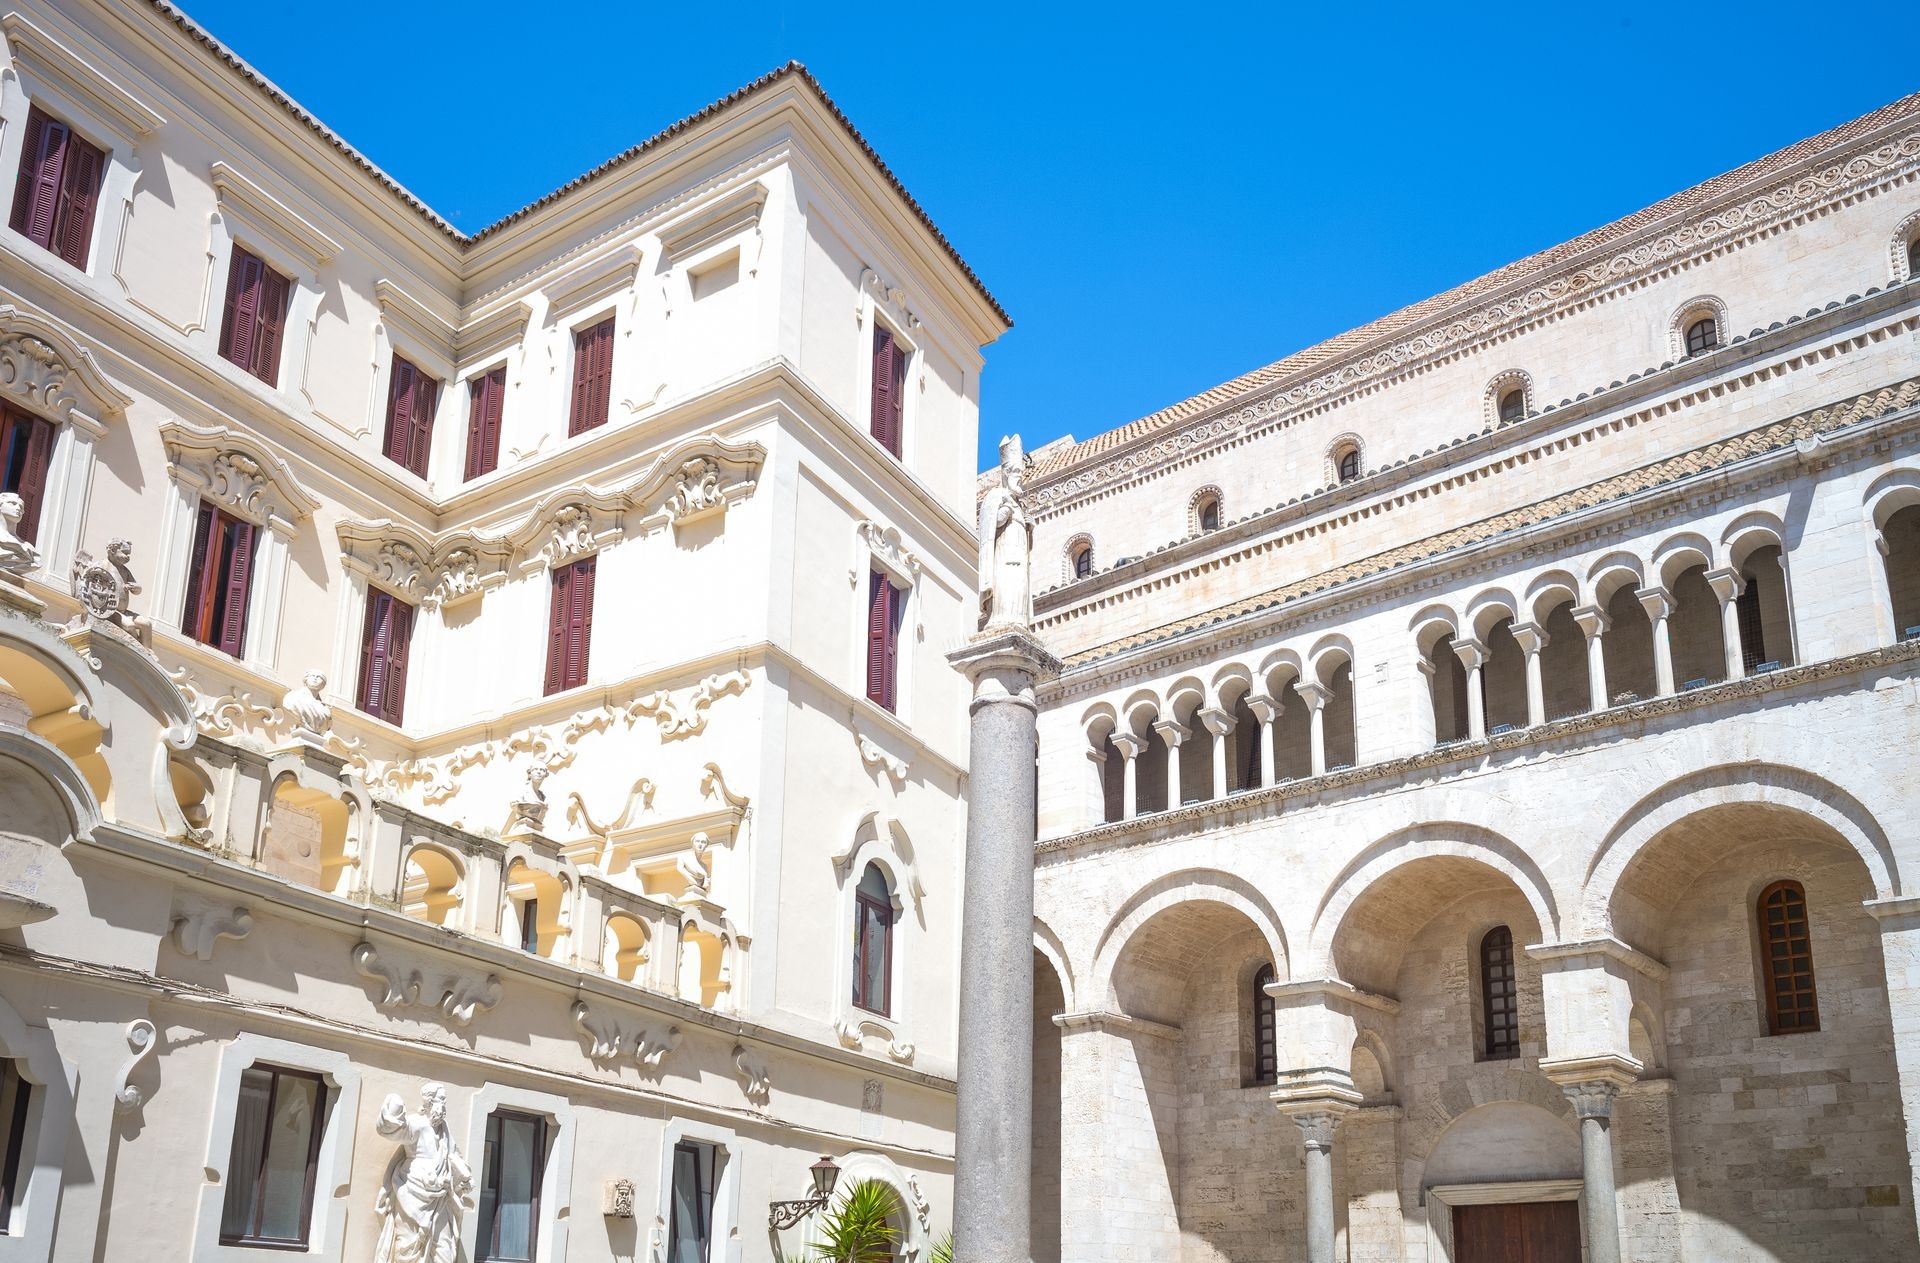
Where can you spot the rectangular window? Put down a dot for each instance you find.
(385, 641)
(692, 1226)
(16, 1097)
(885, 605)
(219, 580)
(277, 1126)
(255, 316)
(58, 188)
(570, 625)
(872, 945)
(885, 418)
(515, 1160)
(530, 926)
(411, 398)
(592, 377)
(26, 446)
(486, 402)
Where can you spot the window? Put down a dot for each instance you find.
(692, 1228)
(592, 377)
(277, 1127)
(1702, 335)
(570, 625)
(530, 925)
(1513, 406)
(486, 400)
(1497, 995)
(1786, 960)
(26, 445)
(873, 943)
(1349, 464)
(1083, 561)
(885, 605)
(219, 580)
(1913, 258)
(16, 1098)
(515, 1161)
(256, 313)
(1266, 1052)
(411, 397)
(1753, 639)
(886, 418)
(1209, 514)
(58, 188)
(384, 644)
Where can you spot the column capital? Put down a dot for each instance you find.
(1592, 1082)
(1128, 744)
(1172, 731)
(1266, 709)
(1593, 1098)
(1592, 619)
(1316, 696)
(1656, 600)
(1217, 721)
(1317, 1121)
(1004, 663)
(1096, 755)
(1471, 650)
(1532, 637)
(1727, 583)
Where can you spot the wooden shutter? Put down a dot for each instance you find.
(200, 575)
(384, 644)
(896, 606)
(399, 649)
(32, 487)
(238, 580)
(880, 420)
(1786, 959)
(79, 192)
(237, 324)
(592, 377)
(557, 611)
(273, 319)
(877, 622)
(37, 192)
(485, 405)
(420, 440)
(580, 621)
(400, 401)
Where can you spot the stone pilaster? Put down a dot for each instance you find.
(992, 1145)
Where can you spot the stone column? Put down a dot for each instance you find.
(1591, 1083)
(1727, 584)
(1473, 656)
(1174, 734)
(1899, 919)
(1097, 802)
(1593, 625)
(1267, 711)
(1316, 697)
(1658, 602)
(1532, 640)
(1219, 723)
(1129, 747)
(1317, 1126)
(992, 1145)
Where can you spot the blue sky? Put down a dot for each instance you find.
(1159, 206)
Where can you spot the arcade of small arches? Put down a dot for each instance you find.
(1447, 1024)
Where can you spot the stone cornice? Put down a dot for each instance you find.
(1461, 756)
(1870, 165)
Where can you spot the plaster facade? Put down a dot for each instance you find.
(617, 907)
(1601, 665)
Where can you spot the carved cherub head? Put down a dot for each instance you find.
(119, 551)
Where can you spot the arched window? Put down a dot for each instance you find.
(1786, 960)
(1349, 464)
(1498, 1010)
(1209, 514)
(1913, 258)
(1513, 406)
(873, 943)
(1702, 335)
(1083, 561)
(1266, 1049)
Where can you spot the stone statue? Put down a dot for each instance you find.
(312, 716)
(427, 1184)
(693, 868)
(105, 589)
(528, 812)
(1006, 544)
(17, 556)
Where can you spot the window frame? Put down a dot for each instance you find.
(251, 1238)
(62, 202)
(483, 445)
(1769, 979)
(489, 1240)
(47, 435)
(423, 400)
(392, 703)
(1515, 395)
(863, 947)
(1264, 1069)
(267, 373)
(598, 403)
(208, 574)
(1499, 1041)
(1709, 340)
(553, 1218)
(578, 612)
(725, 1203)
(900, 392)
(1081, 561)
(882, 635)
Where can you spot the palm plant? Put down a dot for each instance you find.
(859, 1229)
(942, 1250)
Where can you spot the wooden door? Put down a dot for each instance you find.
(1517, 1232)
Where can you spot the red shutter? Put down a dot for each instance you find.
(29, 179)
(878, 621)
(373, 652)
(37, 194)
(485, 406)
(580, 621)
(399, 646)
(603, 378)
(273, 318)
(79, 192)
(896, 604)
(420, 441)
(897, 393)
(233, 630)
(400, 402)
(592, 377)
(582, 377)
(880, 420)
(557, 620)
(33, 472)
(237, 332)
(199, 574)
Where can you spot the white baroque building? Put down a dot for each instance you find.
(511, 660)
(1489, 737)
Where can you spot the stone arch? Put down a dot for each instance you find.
(1198, 501)
(1548, 591)
(625, 944)
(1047, 943)
(433, 884)
(1524, 1132)
(1696, 308)
(1900, 248)
(1762, 784)
(1499, 388)
(1337, 452)
(1680, 552)
(1070, 556)
(1184, 887)
(1488, 608)
(1372, 1068)
(860, 1167)
(1437, 840)
(1609, 573)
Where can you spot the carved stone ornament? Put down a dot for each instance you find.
(456, 994)
(105, 589)
(142, 1038)
(922, 1207)
(852, 1032)
(697, 476)
(311, 714)
(570, 535)
(610, 1040)
(755, 1075)
(434, 572)
(617, 1199)
(428, 1185)
(198, 927)
(528, 812)
(17, 556)
(696, 490)
(887, 546)
(237, 472)
(873, 756)
(1006, 544)
(42, 371)
(686, 714)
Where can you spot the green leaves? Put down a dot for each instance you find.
(942, 1250)
(859, 1227)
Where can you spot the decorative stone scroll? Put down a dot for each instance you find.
(696, 478)
(686, 714)
(198, 926)
(755, 1075)
(456, 994)
(852, 1032)
(611, 1040)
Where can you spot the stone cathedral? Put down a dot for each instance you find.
(538, 743)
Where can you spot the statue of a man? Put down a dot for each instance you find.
(427, 1184)
(17, 556)
(1006, 543)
